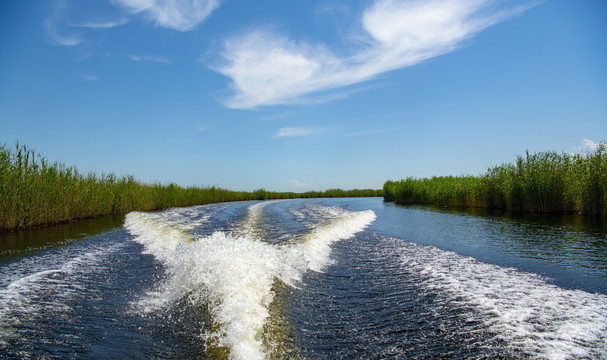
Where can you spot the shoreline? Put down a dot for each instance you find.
(545, 182)
(37, 193)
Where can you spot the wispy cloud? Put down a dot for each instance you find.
(58, 38)
(296, 132)
(366, 132)
(64, 32)
(267, 68)
(103, 24)
(337, 134)
(89, 77)
(298, 184)
(159, 59)
(54, 25)
(182, 15)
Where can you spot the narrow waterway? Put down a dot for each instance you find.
(309, 279)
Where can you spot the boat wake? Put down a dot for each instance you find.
(523, 311)
(36, 287)
(233, 275)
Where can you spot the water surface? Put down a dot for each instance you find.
(311, 279)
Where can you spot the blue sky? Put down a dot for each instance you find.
(300, 95)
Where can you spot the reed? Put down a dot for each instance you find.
(35, 192)
(546, 182)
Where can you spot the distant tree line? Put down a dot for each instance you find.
(35, 192)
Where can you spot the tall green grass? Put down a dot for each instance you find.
(35, 192)
(546, 182)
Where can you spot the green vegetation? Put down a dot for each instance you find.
(544, 182)
(34, 192)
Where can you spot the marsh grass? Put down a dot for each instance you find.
(546, 182)
(35, 192)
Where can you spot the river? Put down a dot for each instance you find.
(308, 279)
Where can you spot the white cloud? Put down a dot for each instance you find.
(89, 77)
(267, 68)
(61, 30)
(182, 15)
(366, 132)
(54, 25)
(589, 146)
(159, 59)
(298, 184)
(296, 131)
(102, 25)
(57, 38)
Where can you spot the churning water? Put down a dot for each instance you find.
(313, 279)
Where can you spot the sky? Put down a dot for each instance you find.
(301, 95)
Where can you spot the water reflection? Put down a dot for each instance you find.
(570, 240)
(23, 242)
(572, 248)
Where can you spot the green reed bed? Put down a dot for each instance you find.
(35, 192)
(546, 182)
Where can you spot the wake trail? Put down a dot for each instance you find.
(522, 310)
(232, 273)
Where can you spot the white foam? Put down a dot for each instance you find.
(523, 309)
(161, 233)
(232, 273)
(251, 225)
(316, 247)
(55, 276)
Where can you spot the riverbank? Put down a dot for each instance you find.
(36, 193)
(545, 182)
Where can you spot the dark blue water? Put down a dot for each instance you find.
(310, 279)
